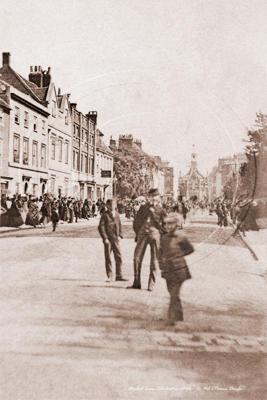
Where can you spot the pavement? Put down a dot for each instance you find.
(65, 333)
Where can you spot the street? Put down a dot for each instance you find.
(68, 334)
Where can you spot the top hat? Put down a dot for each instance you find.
(153, 192)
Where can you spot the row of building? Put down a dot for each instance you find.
(48, 146)
(46, 143)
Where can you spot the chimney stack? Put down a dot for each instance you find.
(47, 77)
(93, 116)
(36, 76)
(6, 58)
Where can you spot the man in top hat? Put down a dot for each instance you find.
(148, 226)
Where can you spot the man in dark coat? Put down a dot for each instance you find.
(111, 233)
(148, 225)
(174, 246)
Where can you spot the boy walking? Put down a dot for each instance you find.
(174, 246)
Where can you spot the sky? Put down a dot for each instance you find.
(172, 73)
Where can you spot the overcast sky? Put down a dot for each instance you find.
(171, 72)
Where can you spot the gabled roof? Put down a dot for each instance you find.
(103, 147)
(40, 92)
(31, 85)
(18, 82)
(191, 172)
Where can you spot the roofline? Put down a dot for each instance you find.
(24, 84)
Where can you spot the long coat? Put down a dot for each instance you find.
(173, 248)
(109, 226)
(156, 216)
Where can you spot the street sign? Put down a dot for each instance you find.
(105, 174)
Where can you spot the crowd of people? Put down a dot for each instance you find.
(30, 210)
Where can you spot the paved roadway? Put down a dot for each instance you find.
(67, 334)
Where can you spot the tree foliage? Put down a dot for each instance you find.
(253, 174)
(133, 170)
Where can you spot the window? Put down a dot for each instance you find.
(82, 134)
(34, 189)
(78, 161)
(25, 151)
(53, 148)
(66, 185)
(97, 165)
(1, 116)
(66, 152)
(35, 124)
(81, 162)
(86, 164)
(43, 156)
(86, 137)
(17, 115)
(26, 119)
(1, 152)
(74, 163)
(53, 184)
(67, 117)
(35, 154)
(74, 132)
(60, 149)
(43, 127)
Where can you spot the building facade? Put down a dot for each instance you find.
(193, 184)
(227, 168)
(27, 167)
(4, 136)
(168, 179)
(104, 162)
(83, 153)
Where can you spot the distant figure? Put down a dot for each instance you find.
(54, 218)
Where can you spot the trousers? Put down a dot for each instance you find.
(108, 248)
(175, 312)
(144, 239)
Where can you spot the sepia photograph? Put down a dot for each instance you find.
(133, 224)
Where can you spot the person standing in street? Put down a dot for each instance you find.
(174, 246)
(54, 217)
(111, 233)
(148, 226)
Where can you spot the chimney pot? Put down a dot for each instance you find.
(31, 69)
(35, 69)
(59, 91)
(6, 58)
